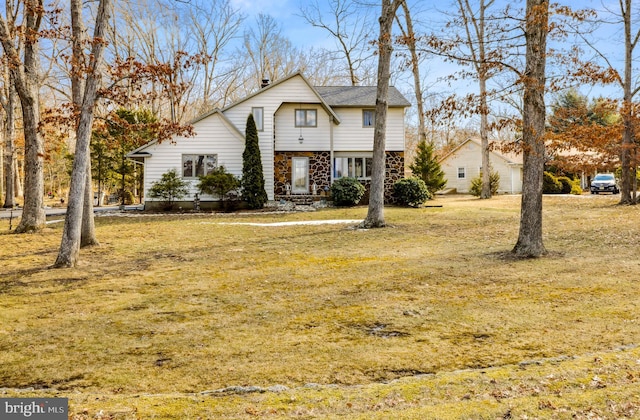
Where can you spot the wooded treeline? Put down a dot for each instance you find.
(155, 64)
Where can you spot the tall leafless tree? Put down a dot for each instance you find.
(271, 54)
(24, 68)
(530, 243)
(409, 39)
(475, 38)
(9, 161)
(349, 25)
(214, 24)
(375, 213)
(72, 232)
(79, 61)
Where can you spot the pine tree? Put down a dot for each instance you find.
(427, 168)
(253, 191)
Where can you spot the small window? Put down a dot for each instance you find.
(368, 118)
(306, 118)
(194, 166)
(462, 173)
(258, 116)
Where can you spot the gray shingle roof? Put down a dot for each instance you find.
(359, 96)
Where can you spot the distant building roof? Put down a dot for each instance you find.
(359, 96)
(510, 157)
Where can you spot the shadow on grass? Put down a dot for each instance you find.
(510, 256)
(13, 279)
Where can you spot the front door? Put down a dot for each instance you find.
(300, 175)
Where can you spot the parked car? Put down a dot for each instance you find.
(604, 183)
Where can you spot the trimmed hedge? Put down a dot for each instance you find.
(412, 192)
(560, 185)
(567, 184)
(550, 184)
(347, 192)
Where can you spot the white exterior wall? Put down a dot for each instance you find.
(214, 135)
(469, 156)
(287, 134)
(270, 100)
(168, 155)
(350, 135)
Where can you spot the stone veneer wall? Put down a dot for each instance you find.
(320, 172)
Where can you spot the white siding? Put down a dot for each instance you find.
(293, 90)
(351, 135)
(469, 157)
(216, 136)
(213, 137)
(287, 134)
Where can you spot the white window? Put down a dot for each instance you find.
(462, 173)
(306, 118)
(258, 116)
(353, 167)
(368, 118)
(194, 166)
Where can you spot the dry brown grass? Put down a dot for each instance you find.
(425, 319)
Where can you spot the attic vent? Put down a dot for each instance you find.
(265, 83)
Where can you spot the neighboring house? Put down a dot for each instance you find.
(581, 163)
(465, 163)
(309, 136)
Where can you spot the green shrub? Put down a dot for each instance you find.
(550, 184)
(347, 191)
(221, 183)
(567, 184)
(412, 192)
(476, 184)
(170, 187)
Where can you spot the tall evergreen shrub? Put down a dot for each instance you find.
(427, 168)
(252, 183)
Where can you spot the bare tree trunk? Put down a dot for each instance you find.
(17, 179)
(484, 140)
(475, 25)
(88, 234)
(410, 40)
(88, 231)
(627, 107)
(25, 74)
(529, 243)
(10, 155)
(375, 214)
(33, 216)
(71, 236)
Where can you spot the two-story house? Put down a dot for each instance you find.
(309, 136)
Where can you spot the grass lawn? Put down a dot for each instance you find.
(208, 316)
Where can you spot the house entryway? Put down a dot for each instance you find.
(300, 175)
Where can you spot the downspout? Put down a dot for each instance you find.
(513, 186)
(331, 162)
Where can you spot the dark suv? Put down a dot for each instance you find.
(604, 183)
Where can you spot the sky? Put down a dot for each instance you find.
(303, 34)
(287, 12)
